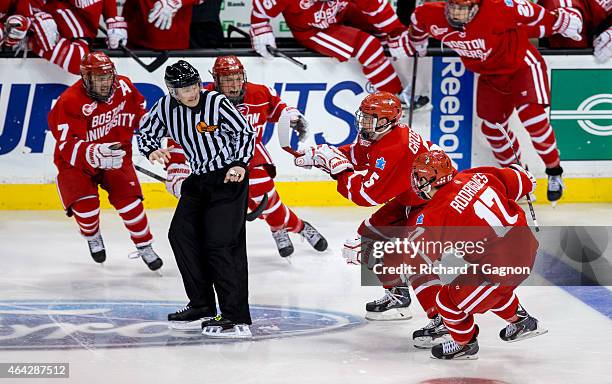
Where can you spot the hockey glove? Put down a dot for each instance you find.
(399, 46)
(568, 23)
(1, 35)
(117, 32)
(45, 31)
(299, 124)
(16, 28)
(529, 175)
(163, 12)
(603, 46)
(331, 160)
(176, 174)
(261, 37)
(103, 157)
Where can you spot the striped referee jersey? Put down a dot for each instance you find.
(213, 134)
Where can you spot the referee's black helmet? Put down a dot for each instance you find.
(179, 75)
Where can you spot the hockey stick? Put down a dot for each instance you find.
(250, 216)
(413, 90)
(273, 51)
(518, 161)
(151, 67)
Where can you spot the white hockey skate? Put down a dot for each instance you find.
(96, 247)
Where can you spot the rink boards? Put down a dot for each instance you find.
(327, 93)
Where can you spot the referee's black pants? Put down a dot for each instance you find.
(208, 238)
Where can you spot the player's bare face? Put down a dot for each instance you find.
(189, 96)
(231, 85)
(102, 84)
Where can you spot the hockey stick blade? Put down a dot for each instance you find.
(258, 211)
(153, 66)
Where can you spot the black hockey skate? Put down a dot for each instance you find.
(524, 328)
(392, 306)
(283, 242)
(314, 238)
(96, 248)
(190, 318)
(555, 184)
(449, 350)
(224, 328)
(432, 334)
(150, 258)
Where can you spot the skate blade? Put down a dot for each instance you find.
(397, 314)
(554, 204)
(429, 343)
(226, 335)
(464, 357)
(288, 259)
(195, 325)
(158, 272)
(529, 335)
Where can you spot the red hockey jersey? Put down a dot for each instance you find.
(485, 46)
(313, 15)
(76, 119)
(382, 168)
(86, 15)
(143, 34)
(479, 204)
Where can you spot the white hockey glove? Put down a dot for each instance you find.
(261, 37)
(351, 250)
(325, 157)
(568, 23)
(117, 32)
(176, 174)
(16, 28)
(298, 123)
(163, 12)
(103, 157)
(603, 46)
(399, 46)
(532, 178)
(45, 31)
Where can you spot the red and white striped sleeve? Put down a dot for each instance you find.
(264, 10)
(381, 15)
(70, 131)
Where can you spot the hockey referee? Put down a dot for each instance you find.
(207, 233)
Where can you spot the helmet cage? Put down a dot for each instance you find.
(93, 75)
(460, 13)
(373, 131)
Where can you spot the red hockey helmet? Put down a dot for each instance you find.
(99, 75)
(229, 76)
(431, 169)
(377, 114)
(460, 12)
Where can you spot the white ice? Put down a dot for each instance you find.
(44, 258)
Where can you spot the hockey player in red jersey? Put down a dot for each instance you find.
(340, 29)
(159, 24)
(24, 26)
(513, 74)
(374, 171)
(596, 30)
(78, 23)
(93, 122)
(259, 105)
(479, 204)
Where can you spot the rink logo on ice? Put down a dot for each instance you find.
(582, 116)
(451, 116)
(92, 324)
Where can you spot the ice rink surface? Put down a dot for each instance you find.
(56, 305)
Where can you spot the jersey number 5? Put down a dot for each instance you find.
(482, 207)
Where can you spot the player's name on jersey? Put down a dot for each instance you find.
(441, 269)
